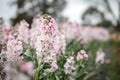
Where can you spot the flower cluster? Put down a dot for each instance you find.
(17, 71)
(82, 55)
(39, 51)
(14, 48)
(69, 67)
(89, 34)
(84, 34)
(23, 31)
(49, 43)
(70, 30)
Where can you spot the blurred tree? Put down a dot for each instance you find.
(27, 9)
(94, 16)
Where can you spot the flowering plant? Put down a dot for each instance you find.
(95, 41)
(38, 53)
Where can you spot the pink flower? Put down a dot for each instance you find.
(44, 21)
(8, 33)
(54, 66)
(27, 67)
(23, 31)
(8, 30)
(85, 56)
(79, 56)
(46, 39)
(83, 52)
(24, 23)
(85, 34)
(82, 55)
(14, 49)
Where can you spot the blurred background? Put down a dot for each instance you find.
(105, 13)
(88, 12)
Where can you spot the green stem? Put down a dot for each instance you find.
(38, 69)
(81, 62)
(89, 75)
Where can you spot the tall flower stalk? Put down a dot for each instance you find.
(43, 45)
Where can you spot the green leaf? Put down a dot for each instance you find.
(48, 70)
(57, 78)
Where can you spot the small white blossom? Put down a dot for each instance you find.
(69, 67)
(100, 56)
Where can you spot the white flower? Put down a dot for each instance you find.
(69, 66)
(100, 56)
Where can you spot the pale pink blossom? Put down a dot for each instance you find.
(100, 56)
(54, 65)
(23, 31)
(79, 57)
(8, 33)
(85, 56)
(46, 38)
(70, 30)
(82, 55)
(14, 49)
(12, 72)
(69, 67)
(83, 52)
(84, 34)
(27, 67)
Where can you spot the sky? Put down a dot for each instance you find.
(73, 10)
(7, 11)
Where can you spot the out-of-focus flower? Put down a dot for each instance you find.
(23, 31)
(27, 67)
(85, 56)
(54, 66)
(14, 48)
(82, 55)
(70, 30)
(13, 74)
(69, 67)
(100, 56)
(8, 33)
(79, 57)
(34, 32)
(88, 34)
(84, 34)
